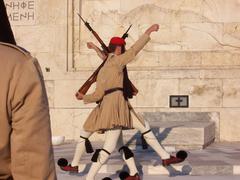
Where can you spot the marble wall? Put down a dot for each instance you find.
(196, 52)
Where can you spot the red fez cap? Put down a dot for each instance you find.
(117, 41)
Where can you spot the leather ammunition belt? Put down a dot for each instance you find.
(109, 91)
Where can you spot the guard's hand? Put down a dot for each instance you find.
(90, 45)
(79, 95)
(154, 27)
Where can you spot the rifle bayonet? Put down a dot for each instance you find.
(86, 23)
(125, 35)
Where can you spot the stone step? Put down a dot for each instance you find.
(217, 159)
(179, 116)
(177, 134)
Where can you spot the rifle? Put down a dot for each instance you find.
(85, 87)
(129, 88)
(104, 47)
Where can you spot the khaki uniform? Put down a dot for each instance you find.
(25, 135)
(113, 111)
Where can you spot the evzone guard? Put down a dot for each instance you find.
(113, 112)
(25, 147)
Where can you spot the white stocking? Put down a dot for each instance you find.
(111, 139)
(130, 162)
(150, 137)
(80, 148)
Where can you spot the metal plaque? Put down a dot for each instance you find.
(179, 101)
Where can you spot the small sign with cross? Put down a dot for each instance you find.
(178, 101)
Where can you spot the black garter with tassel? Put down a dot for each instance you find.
(96, 154)
(88, 145)
(127, 152)
(144, 142)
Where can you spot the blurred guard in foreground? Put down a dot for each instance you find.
(25, 135)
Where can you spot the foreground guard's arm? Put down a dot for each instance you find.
(31, 146)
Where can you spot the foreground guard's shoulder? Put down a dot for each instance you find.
(18, 48)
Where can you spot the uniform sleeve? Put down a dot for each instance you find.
(31, 146)
(129, 55)
(97, 95)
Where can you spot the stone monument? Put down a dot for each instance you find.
(195, 53)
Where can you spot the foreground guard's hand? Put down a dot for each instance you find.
(79, 95)
(154, 27)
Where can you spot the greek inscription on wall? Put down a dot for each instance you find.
(21, 12)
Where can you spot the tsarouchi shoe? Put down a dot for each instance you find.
(70, 168)
(125, 176)
(63, 164)
(180, 157)
(135, 177)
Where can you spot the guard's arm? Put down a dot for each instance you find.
(96, 96)
(129, 55)
(31, 147)
(100, 53)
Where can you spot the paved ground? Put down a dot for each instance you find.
(152, 177)
(218, 161)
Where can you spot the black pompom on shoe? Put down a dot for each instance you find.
(62, 162)
(107, 178)
(123, 175)
(181, 154)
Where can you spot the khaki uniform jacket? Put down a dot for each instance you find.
(25, 135)
(113, 111)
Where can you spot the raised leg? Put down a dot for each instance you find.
(149, 136)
